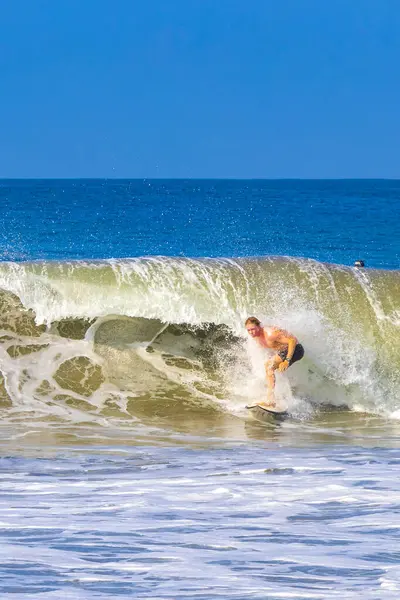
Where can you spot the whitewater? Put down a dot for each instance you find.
(129, 465)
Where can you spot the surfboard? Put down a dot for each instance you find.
(267, 415)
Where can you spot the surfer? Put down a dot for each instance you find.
(286, 346)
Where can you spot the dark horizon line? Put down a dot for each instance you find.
(199, 179)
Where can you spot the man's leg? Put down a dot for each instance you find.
(270, 368)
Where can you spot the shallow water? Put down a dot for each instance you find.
(231, 520)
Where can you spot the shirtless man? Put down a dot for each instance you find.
(287, 351)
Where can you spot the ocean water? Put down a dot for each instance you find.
(129, 464)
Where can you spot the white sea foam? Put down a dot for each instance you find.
(267, 522)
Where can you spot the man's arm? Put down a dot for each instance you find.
(284, 337)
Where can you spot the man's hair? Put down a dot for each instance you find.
(253, 321)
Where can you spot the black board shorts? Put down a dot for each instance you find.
(297, 354)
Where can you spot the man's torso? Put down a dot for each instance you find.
(270, 339)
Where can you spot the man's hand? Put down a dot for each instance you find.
(283, 366)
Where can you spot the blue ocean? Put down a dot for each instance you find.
(129, 463)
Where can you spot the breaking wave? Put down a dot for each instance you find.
(128, 341)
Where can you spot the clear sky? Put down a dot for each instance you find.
(200, 88)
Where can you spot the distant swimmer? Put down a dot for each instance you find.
(287, 348)
(359, 264)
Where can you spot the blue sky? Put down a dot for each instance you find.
(200, 88)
